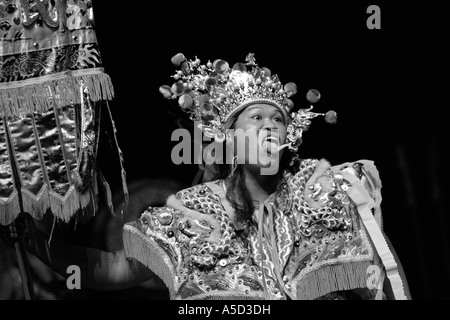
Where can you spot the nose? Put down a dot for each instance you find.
(270, 128)
(268, 124)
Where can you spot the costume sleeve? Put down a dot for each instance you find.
(365, 192)
(173, 239)
(334, 251)
(151, 241)
(341, 245)
(367, 173)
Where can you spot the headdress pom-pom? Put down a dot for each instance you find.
(220, 66)
(240, 67)
(290, 88)
(178, 59)
(331, 117)
(289, 103)
(313, 95)
(185, 101)
(165, 91)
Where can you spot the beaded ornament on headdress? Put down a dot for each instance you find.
(214, 93)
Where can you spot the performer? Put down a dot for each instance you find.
(264, 224)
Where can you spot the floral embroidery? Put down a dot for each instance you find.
(40, 63)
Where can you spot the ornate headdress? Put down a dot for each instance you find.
(214, 94)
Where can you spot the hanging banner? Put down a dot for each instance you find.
(52, 92)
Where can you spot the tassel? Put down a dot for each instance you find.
(88, 206)
(94, 192)
(121, 161)
(85, 199)
(124, 188)
(9, 209)
(107, 191)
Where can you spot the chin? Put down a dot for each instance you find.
(269, 165)
(265, 161)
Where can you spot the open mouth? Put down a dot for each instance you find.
(270, 144)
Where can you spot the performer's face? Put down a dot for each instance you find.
(266, 125)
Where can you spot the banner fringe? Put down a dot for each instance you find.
(64, 207)
(40, 96)
(9, 209)
(36, 205)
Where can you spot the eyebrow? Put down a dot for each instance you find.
(254, 107)
(258, 107)
(278, 111)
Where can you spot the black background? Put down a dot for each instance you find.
(389, 88)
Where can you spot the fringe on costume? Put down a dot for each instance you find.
(227, 295)
(88, 205)
(330, 278)
(142, 248)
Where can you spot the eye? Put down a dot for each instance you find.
(256, 117)
(278, 119)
